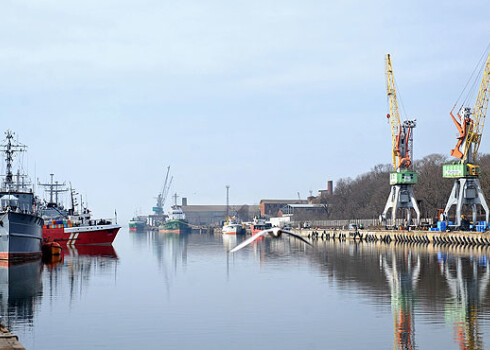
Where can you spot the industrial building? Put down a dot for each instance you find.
(302, 212)
(271, 207)
(216, 214)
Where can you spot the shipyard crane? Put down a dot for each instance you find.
(465, 172)
(402, 177)
(162, 196)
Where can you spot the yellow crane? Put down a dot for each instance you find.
(394, 114)
(473, 140)
(465, 171)
(401, 133)
(402, 177)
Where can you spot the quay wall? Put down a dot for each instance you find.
(464, 238)
(364, 222)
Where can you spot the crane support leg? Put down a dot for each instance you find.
(466, 191)
(401, 196)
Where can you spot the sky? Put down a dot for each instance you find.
(269, 97)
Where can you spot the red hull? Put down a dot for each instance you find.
(100, 234)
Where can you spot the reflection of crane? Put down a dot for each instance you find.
(403, 282)
(468, 291)
(162, 196)
(466, 189)
(403, 177)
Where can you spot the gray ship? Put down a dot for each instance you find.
(20, 227)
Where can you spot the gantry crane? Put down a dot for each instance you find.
(465, 172)
(402, 177)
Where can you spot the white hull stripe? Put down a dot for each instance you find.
(73, 238)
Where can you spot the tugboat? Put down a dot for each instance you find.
(20, 226)
(70, 227)
(176, 222)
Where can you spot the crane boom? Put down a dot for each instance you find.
(479, 113)
(394, 112)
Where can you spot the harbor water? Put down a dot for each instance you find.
(164, 291)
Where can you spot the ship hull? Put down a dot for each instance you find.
(20, 236)
(232, 230)
(82, 235)
(175, 226)
(260, 227)
(139, 227)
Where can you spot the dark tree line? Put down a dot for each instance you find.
(365, 196)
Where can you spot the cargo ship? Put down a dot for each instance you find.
(71, 226)
(20, 225)
(138, 223)
(176, 222)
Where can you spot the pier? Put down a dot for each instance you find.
(9, 341)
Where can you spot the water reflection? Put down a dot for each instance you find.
(20, 289)
(448, 285)
(77, 266)
(402, 274)
(399, 296)
(467, 278)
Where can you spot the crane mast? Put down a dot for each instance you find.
(465, 172)
(402, 178)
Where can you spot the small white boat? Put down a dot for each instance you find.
(231, 227)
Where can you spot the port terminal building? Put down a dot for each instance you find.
(212, 215)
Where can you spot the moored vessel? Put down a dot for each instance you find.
(72, 226)
(259, 225)
(176, 221)
(232, 227)
(20, 225)
(137, 223)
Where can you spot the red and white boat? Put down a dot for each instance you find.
(259, 225)
(68, 226)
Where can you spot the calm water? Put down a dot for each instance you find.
(158, 291)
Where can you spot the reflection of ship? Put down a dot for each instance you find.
(138, 223)
(20, 287)
(68, 226)
(20, 226)
(80, 264)
(100, 251)
(229, 241)
(176, 222)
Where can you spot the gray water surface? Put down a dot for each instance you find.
(161, 291)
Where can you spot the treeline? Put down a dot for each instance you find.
(365, 196)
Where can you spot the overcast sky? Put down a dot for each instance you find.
(269, 97)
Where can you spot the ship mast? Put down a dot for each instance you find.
(10, 148)
(54, 188)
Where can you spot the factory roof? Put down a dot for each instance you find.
(207, 208)
(284, 201)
